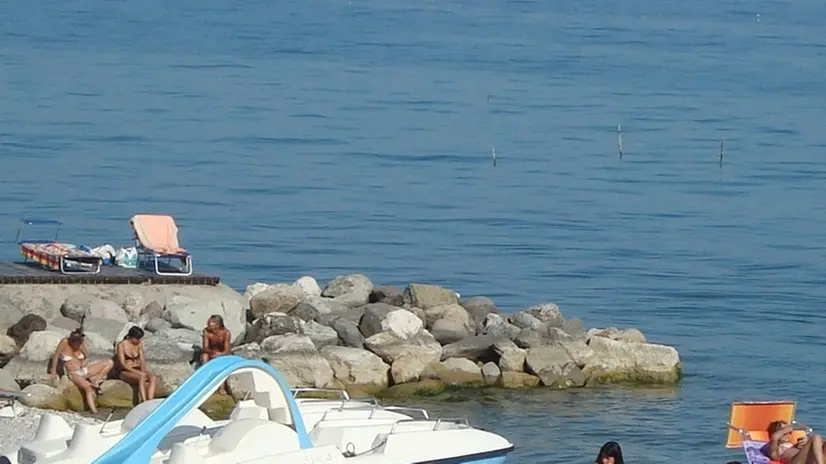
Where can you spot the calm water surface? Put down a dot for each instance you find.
(328, 137)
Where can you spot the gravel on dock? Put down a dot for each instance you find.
(20, 430)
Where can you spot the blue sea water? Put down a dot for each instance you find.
(330, 137)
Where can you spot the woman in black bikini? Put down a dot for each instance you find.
(131, 364)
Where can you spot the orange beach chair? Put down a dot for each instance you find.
(156, 238)
(54, 255)
(749, 421)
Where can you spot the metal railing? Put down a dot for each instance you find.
(461, 421)
(346, 399)
(375, 408)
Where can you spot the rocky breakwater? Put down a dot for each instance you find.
(350, 334)
(370, 339)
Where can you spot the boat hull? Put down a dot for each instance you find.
(491, 457)
(498, 460)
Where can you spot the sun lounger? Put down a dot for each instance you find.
(749, 422)
(57, 256)
(156, 238)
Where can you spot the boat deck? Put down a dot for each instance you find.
(33, 273)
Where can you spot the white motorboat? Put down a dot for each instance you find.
(271, 426)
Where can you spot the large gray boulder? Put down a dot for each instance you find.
(498, 327)
(296, 357)
(279, 298)
(428, 296)
(167, 358)
(617, 360)
(548, 313)
(20, 330)
(315, 307)
(479, 307)
(350, 290)
(189, 313)
(354, 366)
(303, 287)
(31, 365)
(342, 285)
(511, 357)
(109, 329)
(387, 294)
(80, 306)
(321, 335)
(554, 367)
(273, 324)
(373, 318)
(454, 371)
(452, 323)
(405, 345)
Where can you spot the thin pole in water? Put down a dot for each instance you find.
(721, 153)
(619, 140)
(492, 149)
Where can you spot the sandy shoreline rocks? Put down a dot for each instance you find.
(350, 333)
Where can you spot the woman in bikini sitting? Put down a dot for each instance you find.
(131, 364)
(780, 447)
(217, 342)
(85, 375)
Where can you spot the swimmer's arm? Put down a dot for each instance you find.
(227, 342)
(143, 357)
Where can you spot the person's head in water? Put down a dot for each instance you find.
(777, 425)
(215, 322)
(134, 335)
(610, 453)
(76, 339)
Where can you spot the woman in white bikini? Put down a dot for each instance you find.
(780, 447)
(85, 375)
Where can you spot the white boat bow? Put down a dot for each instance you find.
(273, 425)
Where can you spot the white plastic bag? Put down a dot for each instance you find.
(107, 252)
(127, 257)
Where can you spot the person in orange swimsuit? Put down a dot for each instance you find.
(131, 364)
(87, 376)
(780, 447)
(217, 341)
